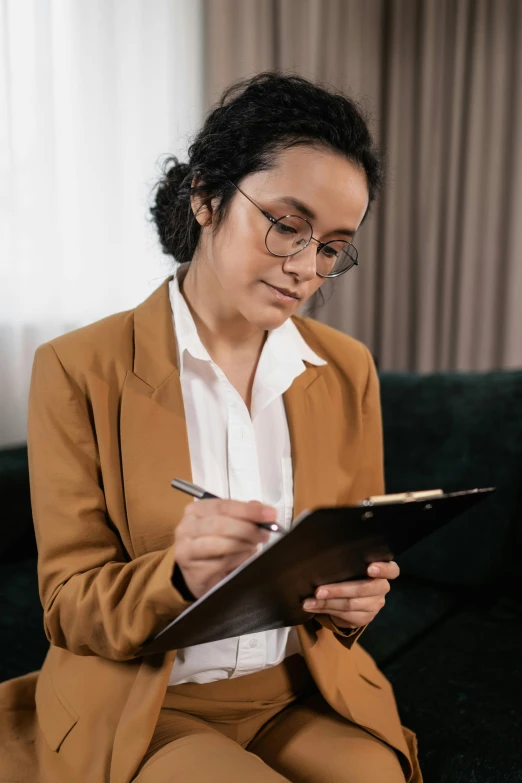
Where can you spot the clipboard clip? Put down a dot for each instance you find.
(403, 497)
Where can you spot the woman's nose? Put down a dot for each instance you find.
(302, 264)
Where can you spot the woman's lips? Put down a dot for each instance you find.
(280, 295)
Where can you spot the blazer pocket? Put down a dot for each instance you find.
(367, 668)
(55, 717)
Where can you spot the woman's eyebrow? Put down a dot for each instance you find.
(310, 214)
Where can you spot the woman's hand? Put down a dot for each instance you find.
(215, 536)
(356, 603)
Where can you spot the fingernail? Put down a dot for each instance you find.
(322, 593)
(374, 570)
(269, 513)
(309, 604)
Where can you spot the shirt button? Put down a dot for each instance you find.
(253, 643)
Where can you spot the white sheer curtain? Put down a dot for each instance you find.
(92, 94)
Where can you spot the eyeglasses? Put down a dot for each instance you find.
(290, 234)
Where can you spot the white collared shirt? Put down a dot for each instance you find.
(235, 454)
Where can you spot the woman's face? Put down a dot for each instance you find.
(332, 194)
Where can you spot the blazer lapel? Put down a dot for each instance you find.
(311, 422)
(153, 431)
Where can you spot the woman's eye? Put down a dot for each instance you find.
(285, 228)
(329, 252)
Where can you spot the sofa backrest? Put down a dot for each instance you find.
(457, 431)
(18, 540)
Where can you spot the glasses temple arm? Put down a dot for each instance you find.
(266, 214)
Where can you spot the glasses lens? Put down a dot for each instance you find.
(336, 257)
(288, 236)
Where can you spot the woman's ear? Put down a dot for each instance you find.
(201, 205)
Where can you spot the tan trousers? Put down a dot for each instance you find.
(268, 727)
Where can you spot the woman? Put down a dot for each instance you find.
(215, 379)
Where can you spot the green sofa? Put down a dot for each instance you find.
(450, 637)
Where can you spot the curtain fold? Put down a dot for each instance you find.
(440, 283)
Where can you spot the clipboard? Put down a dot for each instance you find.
(326, 545)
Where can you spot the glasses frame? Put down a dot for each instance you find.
(320, 245)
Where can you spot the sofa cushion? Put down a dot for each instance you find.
(458, 687)
(457, 431)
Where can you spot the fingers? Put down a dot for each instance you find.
(356, 603)
(342, 605)
(224, 527)
(389, 570)
(208, 548)
(253, 511)
(359, 588)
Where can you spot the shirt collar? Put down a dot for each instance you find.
(187, 336)
(287, 344)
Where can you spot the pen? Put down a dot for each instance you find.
(202, 494)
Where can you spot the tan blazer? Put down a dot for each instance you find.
(106, 434)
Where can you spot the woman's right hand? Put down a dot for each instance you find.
(215, 536)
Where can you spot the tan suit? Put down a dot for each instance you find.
(106, 435)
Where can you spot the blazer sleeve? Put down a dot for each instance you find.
(369, 479)
(96, 600)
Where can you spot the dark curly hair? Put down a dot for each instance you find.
(254, 120)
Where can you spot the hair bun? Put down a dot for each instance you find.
(174, 172)
(167, 192)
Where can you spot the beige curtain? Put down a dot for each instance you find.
(440, 283)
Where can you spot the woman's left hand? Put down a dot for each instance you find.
(356, 603)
